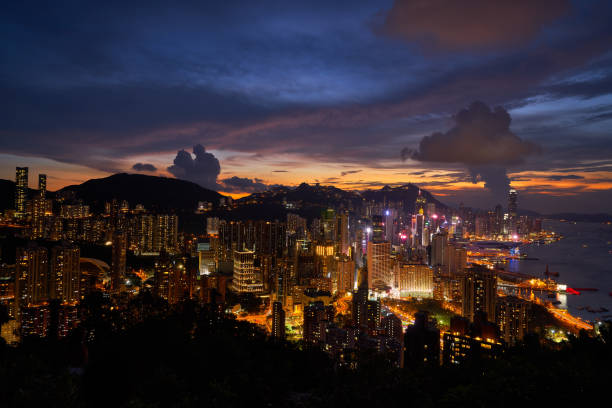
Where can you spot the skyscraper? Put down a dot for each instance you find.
(65, 273)
(278, 320)
(21, 191)
(513, 316)
(118, 260)
(512, 203)
(479, 293)
(31, 276)
(42, 186)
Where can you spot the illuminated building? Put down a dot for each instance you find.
(422, 342)
(345, 276)
(42, 186)
(165, 233)
(479, 293)
(244, 277)
(470, 342)
(360, 299)
(32, 281)
(34, 321)
(163, 271)
(39, 210)
(380, 272)
(420, 203)
(373, 314)
(455, 259)
(512, 203)
(212, 225)
(278, 320)
(21, 191)
(513, 316)
(438, 249)
(65, 273)
(316, 319)
(206, 258)
(415, 280)
(378, 229)
(343, 233)
(118, 260)
(430, 210)
(328, 225)
(392, 325)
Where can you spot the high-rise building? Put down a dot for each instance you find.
(118, 260)
(65, 273)
(513, 317)
(479, 293)
(420, 203)
(512, 203)
(21, 191)
(345, 276)
(380, 271)
(378, 229)
(31, 276)
(316, 319)
(42, 185)
(244, 277)
(392, 325)
(343, 233)
(373, 314)
(278, 320)
(438, 249)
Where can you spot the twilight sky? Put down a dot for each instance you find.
(460, 98)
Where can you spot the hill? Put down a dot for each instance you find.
(405, 194)
(155, 193)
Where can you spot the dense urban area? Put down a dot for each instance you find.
(108, 302)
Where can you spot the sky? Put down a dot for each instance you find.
(464, 99)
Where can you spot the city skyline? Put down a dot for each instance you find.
(312, 93)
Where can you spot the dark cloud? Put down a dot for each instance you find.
(344, 173)
(144, 167)
(565, 177)
(481, 139)
(452, 24)
(203, 169)
(280, 171)
(243, 185)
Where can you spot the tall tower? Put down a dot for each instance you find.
(512, 203)
(118, 261)
(380, 273)
(21, 191)
(419, 204)
(42, 186)
(278, 320)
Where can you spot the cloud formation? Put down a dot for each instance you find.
(451, 24)
(481, 140)
(558, 177)
(243, 185)
(203, 169)
(344, 173)
(144, 167)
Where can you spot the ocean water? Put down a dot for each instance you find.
(582, 259)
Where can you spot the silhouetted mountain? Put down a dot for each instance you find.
(306, 195)
(155, 193)
(406, 194)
